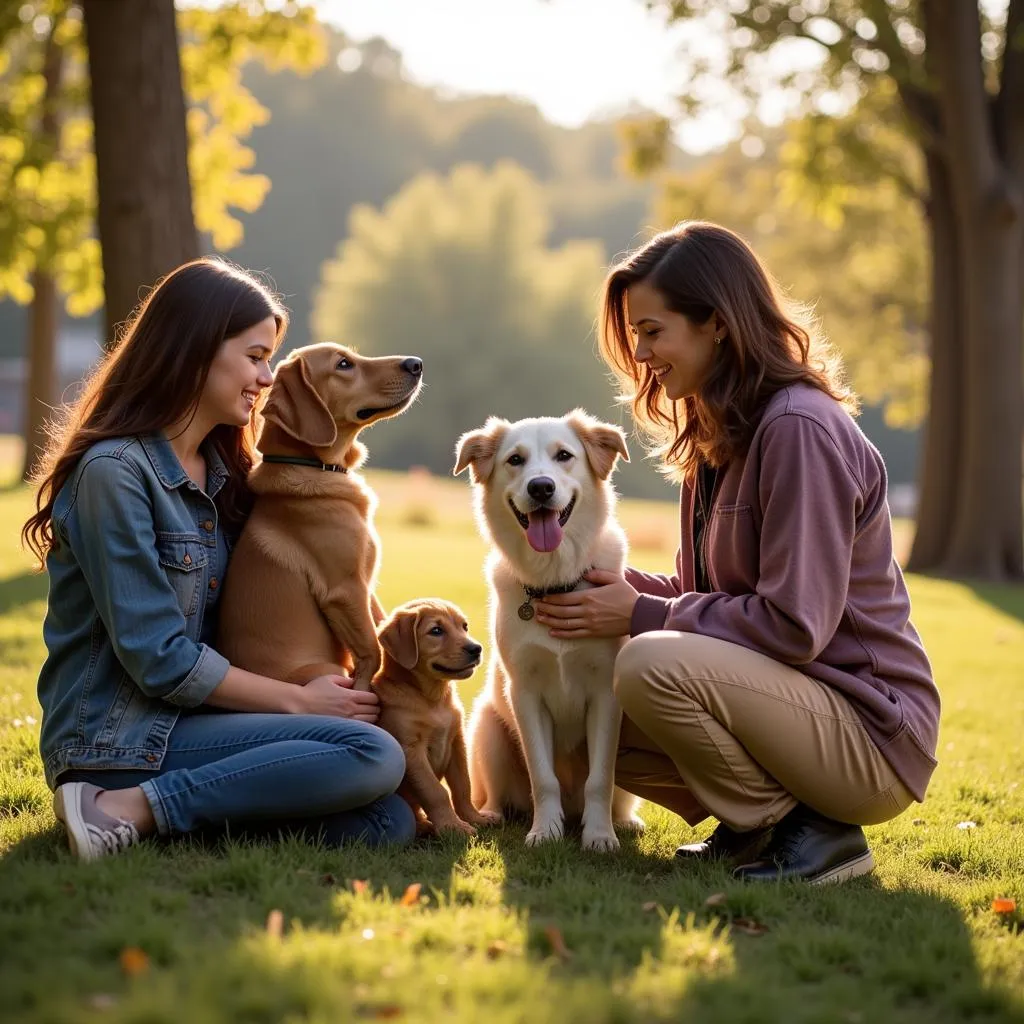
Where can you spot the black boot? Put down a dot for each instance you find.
(807, 846)
(725, 844)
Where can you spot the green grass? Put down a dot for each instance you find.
(915, 942)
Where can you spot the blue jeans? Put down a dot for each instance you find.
(325, 778)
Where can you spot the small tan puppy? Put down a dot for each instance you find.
(298, 601)
(426, 646)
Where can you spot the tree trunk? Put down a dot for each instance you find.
(940, 471)
(987, 541)
(41, 381)
(144, 194)
(988, 533)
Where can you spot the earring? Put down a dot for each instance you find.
(718, 341)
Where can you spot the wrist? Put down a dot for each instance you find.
(292, 699)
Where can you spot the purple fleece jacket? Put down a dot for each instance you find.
(799, 553)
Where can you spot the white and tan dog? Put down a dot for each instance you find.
(544, 731)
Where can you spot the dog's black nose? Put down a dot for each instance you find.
(473, 650)
(413, 365)
(541, 488)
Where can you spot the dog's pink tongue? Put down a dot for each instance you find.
(544, 533)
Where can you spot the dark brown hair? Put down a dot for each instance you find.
(700, 270)
(153, 377)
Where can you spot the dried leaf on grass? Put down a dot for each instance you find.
(1004, 905)
(497, 948)
(748, 926)
(275, 924)
(557, 942)
(716, 899)
(411, 896)
(134, 961)
(359, 886)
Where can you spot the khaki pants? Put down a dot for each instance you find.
(715, 728)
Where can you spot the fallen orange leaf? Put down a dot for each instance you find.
(411, 896)
(1004, 905)
(275, 924)
(557, 942)
(749, 926)
(359, 886)
(388, 1011)
(134, 961)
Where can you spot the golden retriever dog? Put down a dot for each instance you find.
(426, 645)
(299, 599)
(544, 732)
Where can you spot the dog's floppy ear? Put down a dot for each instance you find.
(399, 639)
(602, 442)
(477, 449)
(296, 407)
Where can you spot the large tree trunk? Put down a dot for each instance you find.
(988, 534)
(145, 197)
(41, 379)
(940, 471)
(988, 526)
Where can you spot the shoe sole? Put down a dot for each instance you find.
(66, 806)
(862, 865)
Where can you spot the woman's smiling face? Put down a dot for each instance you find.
(678, 352)
(238, 373)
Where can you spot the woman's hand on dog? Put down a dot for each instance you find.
(333, 695)
(604, 611)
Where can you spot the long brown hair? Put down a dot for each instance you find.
(154, 376)
(701, 269)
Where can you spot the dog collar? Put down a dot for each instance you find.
(526, 611)
(298, 460)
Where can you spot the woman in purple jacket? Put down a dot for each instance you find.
(774, 681)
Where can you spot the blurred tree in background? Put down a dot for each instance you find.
(458, 270)
(49, 249)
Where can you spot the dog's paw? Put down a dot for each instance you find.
(600, 840)
(631, 824)
(485, 818)
(544, 832)
(455, 824)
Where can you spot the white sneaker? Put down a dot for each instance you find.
(91, 832)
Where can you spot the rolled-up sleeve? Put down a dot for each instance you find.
(109, 529)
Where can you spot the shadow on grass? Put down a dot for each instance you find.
(16, 591)
(643, 944)
(1006, 597)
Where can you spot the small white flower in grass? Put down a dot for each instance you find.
(967, 824)
(367, 933)
(16, 723)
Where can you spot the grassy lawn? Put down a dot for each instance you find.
(497, 932)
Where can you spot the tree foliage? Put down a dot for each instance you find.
(457, 270)
(47, 194)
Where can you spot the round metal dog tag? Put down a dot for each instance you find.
(526, 611)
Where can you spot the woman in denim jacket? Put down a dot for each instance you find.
(142, 493)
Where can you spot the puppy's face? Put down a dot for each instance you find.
(431, 639)
(541, 471)
(321, 387)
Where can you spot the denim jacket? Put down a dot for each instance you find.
(134, 581)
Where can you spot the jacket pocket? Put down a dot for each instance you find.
(183, 559)
(733, 549)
